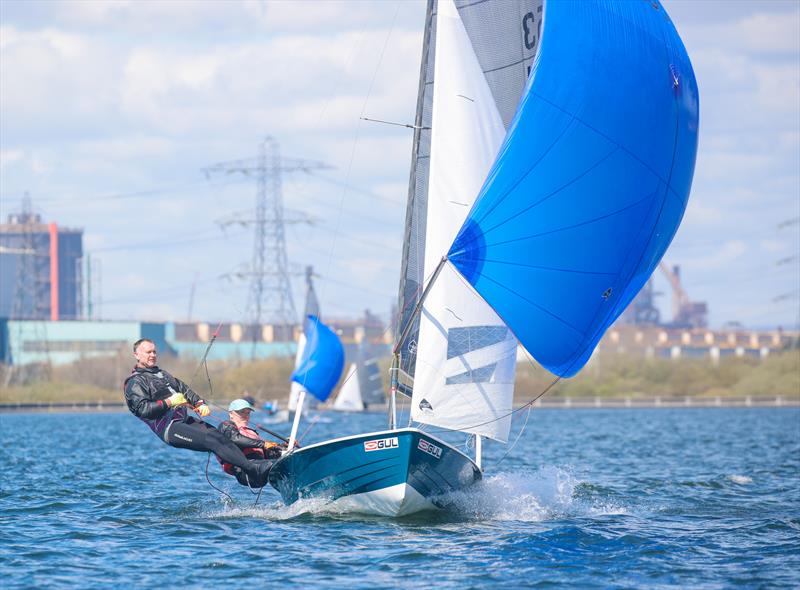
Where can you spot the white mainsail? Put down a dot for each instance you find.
(466, 356)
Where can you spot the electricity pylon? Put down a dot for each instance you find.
(270, 296)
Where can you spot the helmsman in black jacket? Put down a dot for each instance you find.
(159, 400)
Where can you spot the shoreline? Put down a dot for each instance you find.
(627, 402)
(555, 403)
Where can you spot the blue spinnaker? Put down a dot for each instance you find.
(322, 362)
(592, 179)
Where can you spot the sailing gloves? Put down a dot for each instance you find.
(271, 450)
(176, 399)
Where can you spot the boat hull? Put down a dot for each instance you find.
(279, 417)
(388, 473)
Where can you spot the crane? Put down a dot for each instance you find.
(685, 312)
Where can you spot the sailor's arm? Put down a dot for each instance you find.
(140, 403)
(243, 442)
(194, 399)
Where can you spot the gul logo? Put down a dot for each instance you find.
(430, 448)
(381, 444)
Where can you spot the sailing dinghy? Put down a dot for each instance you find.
(362, 387)
(538, 207)
(311, 309)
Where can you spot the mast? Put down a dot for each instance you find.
(411, 274)
(475, 64)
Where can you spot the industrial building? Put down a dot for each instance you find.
(40, 269)
(686, 313)
(28, 342)
(670, 342)
(41, 319)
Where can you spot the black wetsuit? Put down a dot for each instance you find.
(145, 393)
(253, 448)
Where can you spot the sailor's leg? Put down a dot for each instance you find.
(199, 436)
(259, 476)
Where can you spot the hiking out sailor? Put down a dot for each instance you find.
(238, 430)
(160, 400)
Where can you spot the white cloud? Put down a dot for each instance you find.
(8, 157)
(724, 256)
(217, 17)
(774, 246)
(763, 33)
(101, 98)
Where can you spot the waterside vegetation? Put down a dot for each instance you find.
(617, 375)
(607, 375)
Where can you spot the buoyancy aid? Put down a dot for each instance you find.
(249, 452)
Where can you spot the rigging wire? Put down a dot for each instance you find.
(357, 137)
(205, 358)
(346, 184)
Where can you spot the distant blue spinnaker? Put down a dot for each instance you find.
(322, 362)
(592, 179)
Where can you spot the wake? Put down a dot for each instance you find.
(547, 493)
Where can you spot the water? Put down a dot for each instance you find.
(699, 498)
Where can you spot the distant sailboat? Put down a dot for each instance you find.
(538, 207)
(349, 398)
(270, 413)
(362, 387)
(319, 368)
(311, 308)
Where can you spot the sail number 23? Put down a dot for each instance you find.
(531, 28)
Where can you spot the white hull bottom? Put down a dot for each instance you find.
(397, 500)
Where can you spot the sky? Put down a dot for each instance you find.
(112, 113)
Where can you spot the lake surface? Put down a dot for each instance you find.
(699, 498)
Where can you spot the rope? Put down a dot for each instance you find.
(226, 494)
(249, 487)
(516, 440)
(261, 489)
(204, 363)
(205, 356)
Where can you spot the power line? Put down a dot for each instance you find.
(353, 189)
(150, 245)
